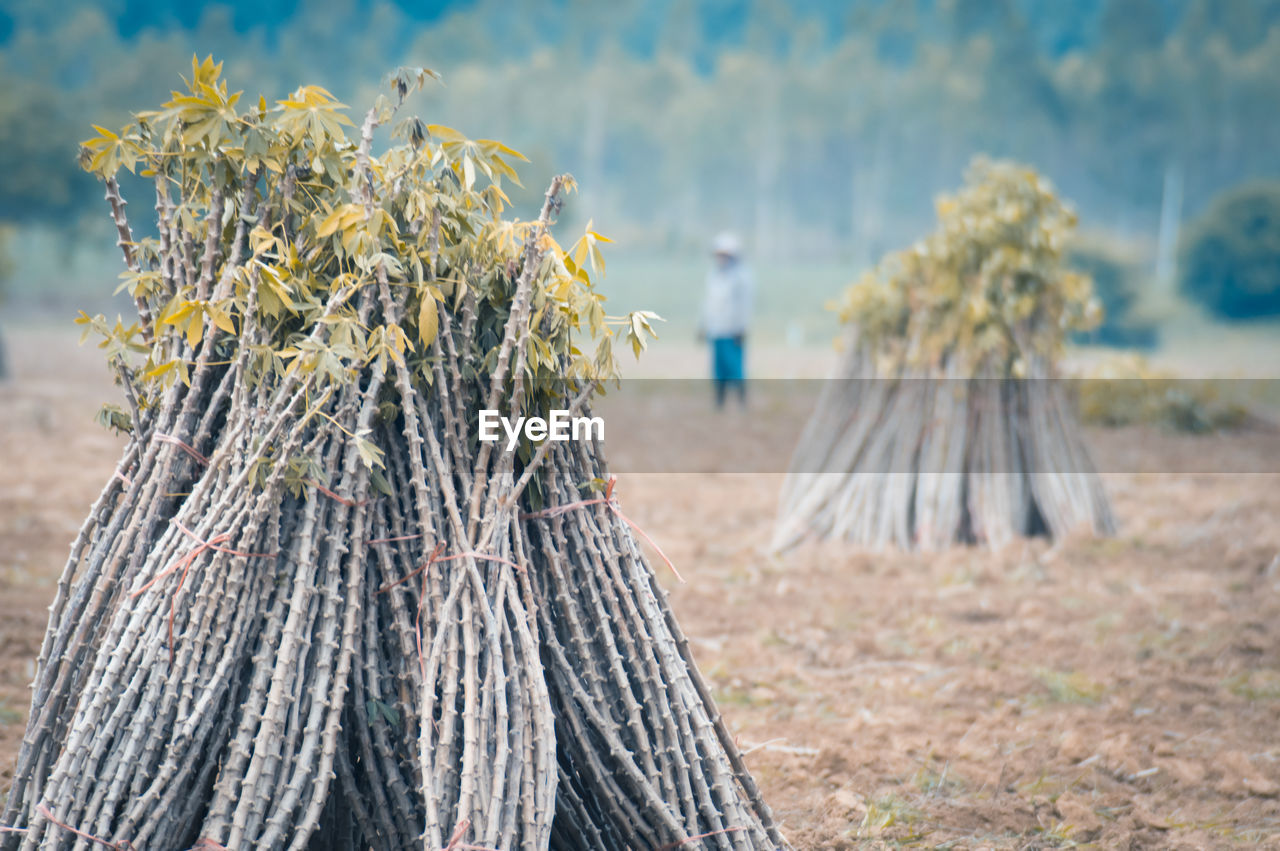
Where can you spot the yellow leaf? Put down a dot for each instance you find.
(330, 223)
(222, 319)
(157, 371)
(195, 328)
(448, 134)
(501, 147)
(170, 316)
(428, 321)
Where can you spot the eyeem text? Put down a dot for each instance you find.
(558, 425)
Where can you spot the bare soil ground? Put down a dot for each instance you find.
(1121, 693)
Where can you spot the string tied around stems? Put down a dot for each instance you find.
(433, 558)
(117, 845)
(456, 843)
(671, 846)
(349, 503)
(185, 447)
(204, 843)
(611, 503)
(185, 563)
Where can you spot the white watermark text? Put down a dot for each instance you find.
(558, 425)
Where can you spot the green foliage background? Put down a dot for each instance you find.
(1118, 279)
(1231, 255)
(820, 130)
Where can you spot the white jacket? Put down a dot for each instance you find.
(726, 309)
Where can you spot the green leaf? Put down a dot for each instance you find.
(379, 482)
(114, 418)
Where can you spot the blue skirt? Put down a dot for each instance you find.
(728, 363)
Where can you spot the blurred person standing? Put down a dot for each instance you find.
(726, 314)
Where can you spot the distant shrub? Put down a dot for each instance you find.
(6, 258)
(1129, 391)
(1230, 257)
(1117, 284)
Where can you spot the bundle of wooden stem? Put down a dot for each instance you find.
(945, 423)
(926, 461)
(318, 613)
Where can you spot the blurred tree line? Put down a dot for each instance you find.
(820, 129)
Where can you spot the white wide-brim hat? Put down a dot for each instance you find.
(726, 243)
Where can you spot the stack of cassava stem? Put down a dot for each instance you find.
(311, 610)
(945, 423)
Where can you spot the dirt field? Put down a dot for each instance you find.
(1124, 693)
